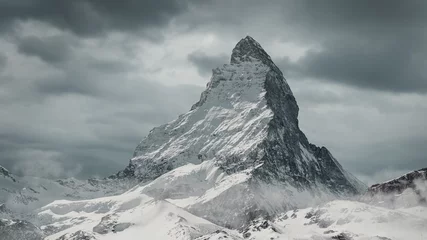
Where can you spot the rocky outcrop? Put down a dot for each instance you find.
(405, 191)
(400, 184)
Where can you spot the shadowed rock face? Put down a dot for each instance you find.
(79, 235)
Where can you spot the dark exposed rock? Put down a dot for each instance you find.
(109, 223)
(383, 238)
(106, 224)
(5, 173)
(120, 227)
(248, 49)
(325, 223)
(246, 234)
(79, 235)
(342, 236)
(128, 172)
(265, 225)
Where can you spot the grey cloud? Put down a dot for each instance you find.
(109, 66)
(77, 72)
(3, 61)
(66, 83)
(374, 45)
(399, 154)
(84, 132)
(91, 17)
(320, 20)
(360, 17)
(206, 63)
(86, 115)
(388, 67)
(368, 131)
(53, 49)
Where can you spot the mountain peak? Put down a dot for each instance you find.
(242, 134)
(247, 50)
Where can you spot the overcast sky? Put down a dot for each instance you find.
(83, 81)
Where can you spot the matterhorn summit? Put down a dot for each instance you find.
(239, 152)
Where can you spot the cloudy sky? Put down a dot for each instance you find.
(81, 82)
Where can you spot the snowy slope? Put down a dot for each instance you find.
(20, 195)
(344, 220)
(133, 215)
(230, 120)
(125, 217)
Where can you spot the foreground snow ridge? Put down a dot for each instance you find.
(136, 216)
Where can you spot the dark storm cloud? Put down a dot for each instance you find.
(83, 110)
(3, 61)
(90, 17)
(81, 136)
(67, 83)
(78, 73)
(389, 67)
(397, 154)
(53, 50)
(206, 63)
(369, 44)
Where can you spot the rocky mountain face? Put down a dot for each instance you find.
(407, 190)
(244, 125)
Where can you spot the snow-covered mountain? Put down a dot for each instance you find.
(241, 140)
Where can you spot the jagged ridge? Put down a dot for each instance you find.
(404, 191)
